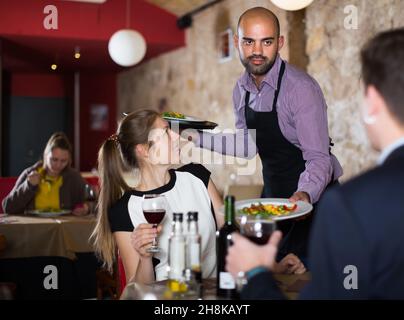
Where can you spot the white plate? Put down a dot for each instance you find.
(48, 214)
(302, 209)
(187, 118)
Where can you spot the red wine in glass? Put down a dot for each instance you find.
(154, 209)
(259, 239)
(257, 230)
(154, 216)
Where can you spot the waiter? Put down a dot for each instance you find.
(286, 108)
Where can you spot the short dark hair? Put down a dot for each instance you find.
(277, 24)
(383, 67)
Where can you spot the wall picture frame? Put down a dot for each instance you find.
(225, 45)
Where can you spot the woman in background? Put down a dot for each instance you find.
(50, 184)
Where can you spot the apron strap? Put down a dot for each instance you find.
(247, 99)
(278, 85)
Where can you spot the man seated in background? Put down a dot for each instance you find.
(356, 251)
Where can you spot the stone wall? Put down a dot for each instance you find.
(193, 81)
(333, 49)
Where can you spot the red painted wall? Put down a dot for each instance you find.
(95, 89)
(38, 85)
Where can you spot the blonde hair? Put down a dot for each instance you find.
(116, 155)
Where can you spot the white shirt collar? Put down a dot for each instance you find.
(389, 150)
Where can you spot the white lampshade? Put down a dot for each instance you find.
(127, 47)
(292, 5)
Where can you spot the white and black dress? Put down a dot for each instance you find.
(186, 191)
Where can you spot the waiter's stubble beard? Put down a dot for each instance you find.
(258, 70)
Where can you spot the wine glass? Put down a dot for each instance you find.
(89, 192)
(154, 208)
(257, 229)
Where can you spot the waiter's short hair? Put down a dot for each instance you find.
(383, 67)
(264, 10)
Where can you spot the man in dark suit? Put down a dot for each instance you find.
(356, 248)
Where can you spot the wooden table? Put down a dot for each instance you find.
(289, 284)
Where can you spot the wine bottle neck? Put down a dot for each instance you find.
(229, 210)
(229, 216)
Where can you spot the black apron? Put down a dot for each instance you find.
(282, 164)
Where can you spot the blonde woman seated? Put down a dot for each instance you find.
(50, 184)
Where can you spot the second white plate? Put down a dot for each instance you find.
(48, 214)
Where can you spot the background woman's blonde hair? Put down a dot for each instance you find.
(116, 155)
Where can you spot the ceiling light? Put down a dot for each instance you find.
(77, 54)
(292, 5)
(127, 47)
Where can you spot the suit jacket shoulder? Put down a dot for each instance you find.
(357, 228)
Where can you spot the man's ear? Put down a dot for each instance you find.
(374, 100)
(281, 42)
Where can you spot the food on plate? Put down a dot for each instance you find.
(172, 114)
(268, 210)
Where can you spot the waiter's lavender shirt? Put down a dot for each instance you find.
(302, 114)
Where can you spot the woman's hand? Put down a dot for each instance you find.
(34, 177)
(142, 238)
(81, 209)
(290, 264)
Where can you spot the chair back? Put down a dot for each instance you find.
(6, 185)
